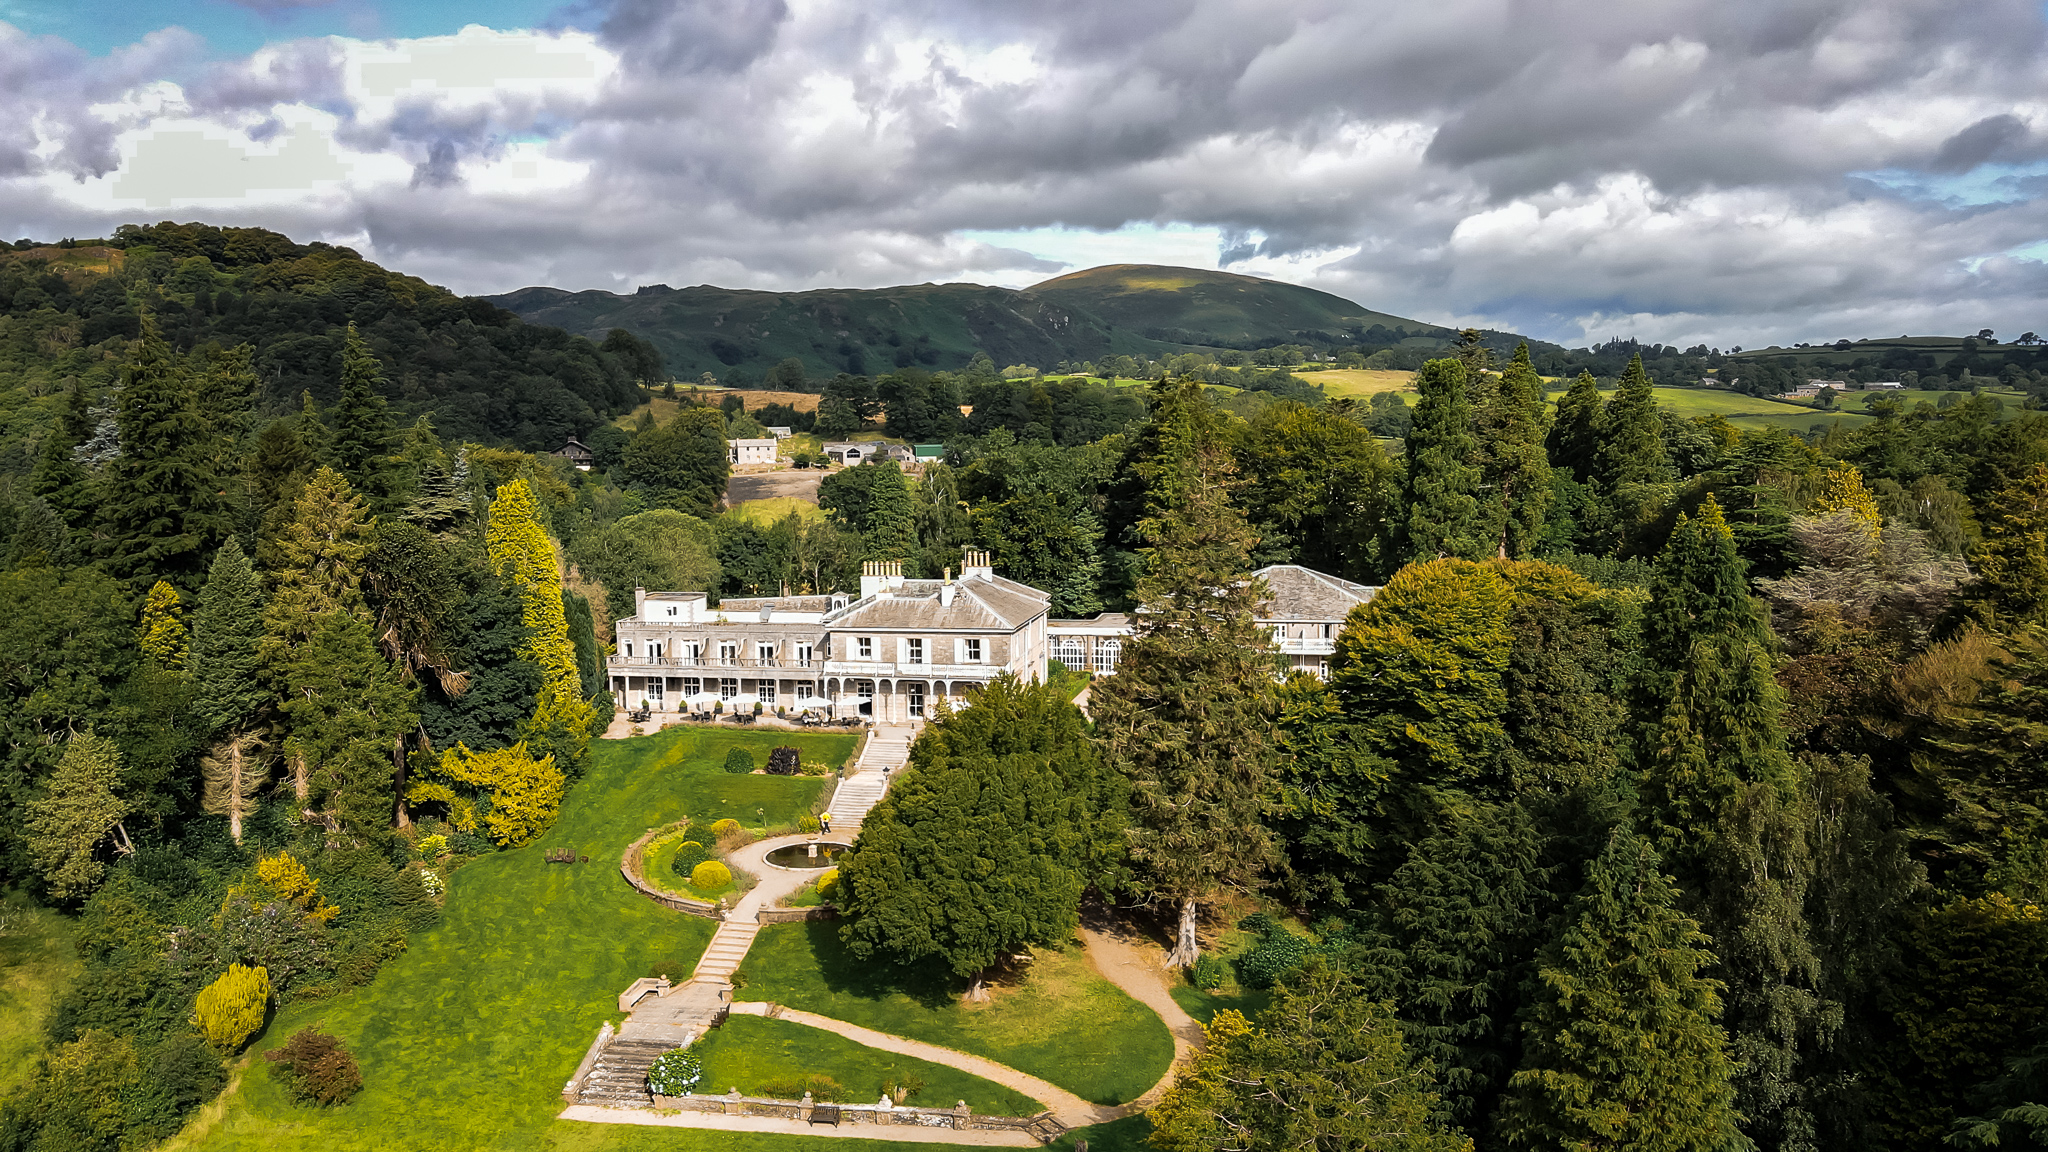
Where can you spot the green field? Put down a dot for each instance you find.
(775, 1058)
(773, 509)
(38, 960)
(1064, 1024)
(466, 1039)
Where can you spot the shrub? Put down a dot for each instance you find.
(828, 884)
(711, 876)
(816, 768)
(689, 854)
(739, 761)
(432, 882)
(807, 824)
(821, 1088)
(470, 844)
(230, 1009)
(675, 1072)
(784, 761)
(1209, 972)
(725, 827)
(1277, 953)
(316, 1068)
(432, 847)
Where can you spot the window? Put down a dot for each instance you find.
(1067, 650)
(626, 646)
(803, 655)
(693, 686)
(671, 609)
(916, 693)
(768, 693)
(728, 653)
(765, 653)
(1326, 631)
(913, 652)
(1107, 650)
(806, 688)
(654, 649)
(654, 686)
(970, 651)
(864, 648)
(693, 652)
(728, 688)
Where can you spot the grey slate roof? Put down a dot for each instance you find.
(733, 606)
(1305, 594)
(977, 604)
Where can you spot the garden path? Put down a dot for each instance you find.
(905, 1134)
(1137, 965)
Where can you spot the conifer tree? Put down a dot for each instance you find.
(1516, 479)
(58, 479)
(161, 639)
(1011, 779)
(2012, 561)
(227, 632)
(162, 511)
(321, 565)
(1574, 437)
(364, 434)
(1188, 717)
(76, 815)
(890, 528)
(523, 556)
(231, 775)
(1621, 1047)
(1630, 466)
(346, 709)
(1440, 483)
(1699, 588)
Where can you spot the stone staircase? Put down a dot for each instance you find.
(887, 749)
(727, 948)
(619, 1078)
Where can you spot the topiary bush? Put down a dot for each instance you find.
(739, 761)
(711, 876)
(231, 1009)
(689, 854)
(724, 828)
(828, 884)
(675, 1072)
(316, 1068)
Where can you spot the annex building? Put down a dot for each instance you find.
(892, 652)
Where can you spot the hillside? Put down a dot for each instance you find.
(1124, 309)
(1194, 306)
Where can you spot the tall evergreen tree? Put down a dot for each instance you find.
(1631, 468)
(227, 631)
(2012, 560)
(346, 708)
(890, 527)
(364, 434)
(1440, 483)
(321, 578)
(1698, 589)
(523, 556)
(58, 479)
(1011, 780)
(1574, 437)
(78, 813)
(162, 511)
(1516, 478)
(1188, 716)
(1621, 1046)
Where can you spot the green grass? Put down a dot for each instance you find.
(38, 961)
(773, 509)
(657, 867)
(466, 1039)
(763, 1057)
(1062, 1022)
(1203, 1006)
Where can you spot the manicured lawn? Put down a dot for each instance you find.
(1203, 1006)
(1063, 1022)
(466, 1039)
(763, 1057)
(38, 960)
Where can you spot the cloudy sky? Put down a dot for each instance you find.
(1726, 171)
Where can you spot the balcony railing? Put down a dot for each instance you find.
(1308, 647)
(710, 663)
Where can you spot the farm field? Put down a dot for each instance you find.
(1359, 381)
(771, 509)
(466, 1039)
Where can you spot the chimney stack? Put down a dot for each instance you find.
(975, 563)
(946, 590)
(880, 577)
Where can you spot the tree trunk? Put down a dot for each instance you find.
(977, 991)
(302, 777)
(398, 775)
(1185, 947)
(234, 791)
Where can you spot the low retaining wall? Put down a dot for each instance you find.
(792, 915)
(629, 867)
(573, 1090)
(959, 1118)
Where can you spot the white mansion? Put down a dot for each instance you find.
(904, 644)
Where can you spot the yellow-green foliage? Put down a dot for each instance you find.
(521, 553)
(710, 876)
(230, 1009)
(162, 635)
(285, 876)
(525, 793)
(1842, 490)
(725, 827)
(828, 884)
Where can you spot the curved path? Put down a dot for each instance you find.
(1137, 966)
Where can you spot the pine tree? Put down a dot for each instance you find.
(321, 556)
(1516, 476)
(162, 511)
(76, 815)
(1440, 483)
(1574, 437)
(227, 633)
(58, 479)
(364, 434)
(346, 709)
(523, 556)
(1325, 1068)
(161, 639)
(1188, 716)
(1631, 468)
(1699, 588)
(890, 528)
(1621, 1046)
(2012, 561)
(1011, 780)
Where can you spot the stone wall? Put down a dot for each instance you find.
(573, 1090)
(793, 915)
(629, 867)
(882, 1113)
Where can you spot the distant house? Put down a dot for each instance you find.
(1817, 385)
(1715, 382)
(575, 452)
(850, 452)
(742, 452)
(1883, 386)
(926, 453)
(780, 432)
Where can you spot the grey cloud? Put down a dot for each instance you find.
(721, 36)
(1992, 138)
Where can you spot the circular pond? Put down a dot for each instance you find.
(812, 854)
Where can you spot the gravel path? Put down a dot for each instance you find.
(1137, 965)
(903, 1134)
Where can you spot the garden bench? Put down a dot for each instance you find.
(825, 1114)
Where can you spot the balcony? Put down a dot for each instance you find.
(892, 670)
(1315, 647)
(679, 665)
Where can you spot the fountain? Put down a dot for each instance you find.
(809, 855)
